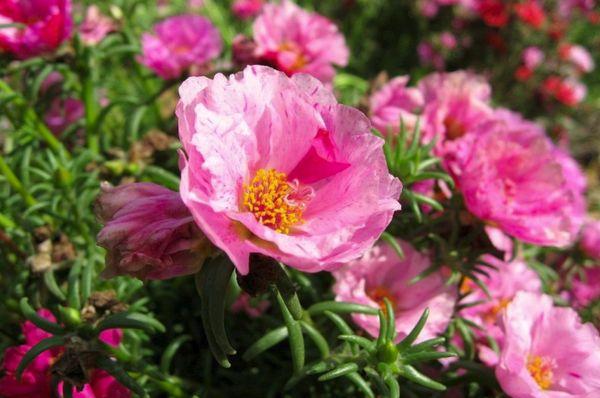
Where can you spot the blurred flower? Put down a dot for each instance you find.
(148, 232)
(530, 12)
(448, 40)
(294, 40)
(437, 86)
(180, 43)
(503, 283)
(380, 274)
(494, 13)
(394, 104)
(585, 287)
(523, 73)
(96, 26)
(517, 180)
(429, 56)
(274, 165)
(63, 113)
(566, 7)
(252, 307)
(245, 9)
(532, 57)
(579, 56)
(590, 239)
(195, 4)
(547, 351)
(45, 25)
(36, 380)
(567, 91)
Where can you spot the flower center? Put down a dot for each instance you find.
(454, 128)
(540, 369)
(300, 60)
(379, 294)
(275, 202)
(492, 315)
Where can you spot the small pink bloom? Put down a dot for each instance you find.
(590, 239)
(245, 9)
(585, 287)
(195, 4)
(294, 40)
(395, 104)
(448, 40)
(96, 26)
(517, 180)
(274, 165)
(63, 113)
(381, 274)
(46, 24)
(532, 57)
(254, 308)
(503, 284)
(547, 351)
(579, 56)
(148, 232)
(180, 43)
(568, 91)
(430, 56)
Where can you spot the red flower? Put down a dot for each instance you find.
(523, 73)
(494, 12)
(531, 13)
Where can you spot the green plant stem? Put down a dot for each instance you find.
(14, 182)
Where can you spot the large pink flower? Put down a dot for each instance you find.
(36, 380)
(517, 180)
(381, 274)
(45, 25)
(294, 40)
(395, 104)
(503, 284)
(547, 351)
(274, 165)
(148, 232)
(180, 43)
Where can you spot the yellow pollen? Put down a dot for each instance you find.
(541, 371)
(379, 294)
(267, 198)
(492, 315)
(300, 61)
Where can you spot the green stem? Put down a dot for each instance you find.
(14, 182)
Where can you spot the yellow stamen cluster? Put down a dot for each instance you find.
(379, 294)
(492, 315)
(300, 61)
(266, 197)
(541, 371)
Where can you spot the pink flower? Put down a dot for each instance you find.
(96, 26)
(245, 9)
(579, 56)
(274, 165)
(294, 40)
(585, 287)
(395, 104)
(517, 180)
(180, 43)
(532, 57)
(547, 351)
(503, 284)
(381, 274)
(148, 232)
(430, 56)
(254, 308)
(45, 25)
(36, 379)
(590, 239)
(567, 91)
(448, 40)
(437, 86)
(63, 113)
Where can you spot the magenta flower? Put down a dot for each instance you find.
(516, 180)
(36, 379)
(180, 43)
(381, 274)
(95, 26)
(294, 40)
(532, 57)
(395, 104)
(590, 239)
(148, 232)
(45, 25)
(63, 113)
(503, 284)
(274, 165)
(585, 287)
(547, 351)
(245, 9)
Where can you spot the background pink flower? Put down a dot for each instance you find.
(148, 232)
(247, 8)
(585, 287)
(547, 351)
(532, 57)
(253, 307)
(47, 23)
(295, 40)
(95, 26)
(179, 43)
(381, 274)
(394, 104)
(515, 179)
(288, 173)
(590, 239)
